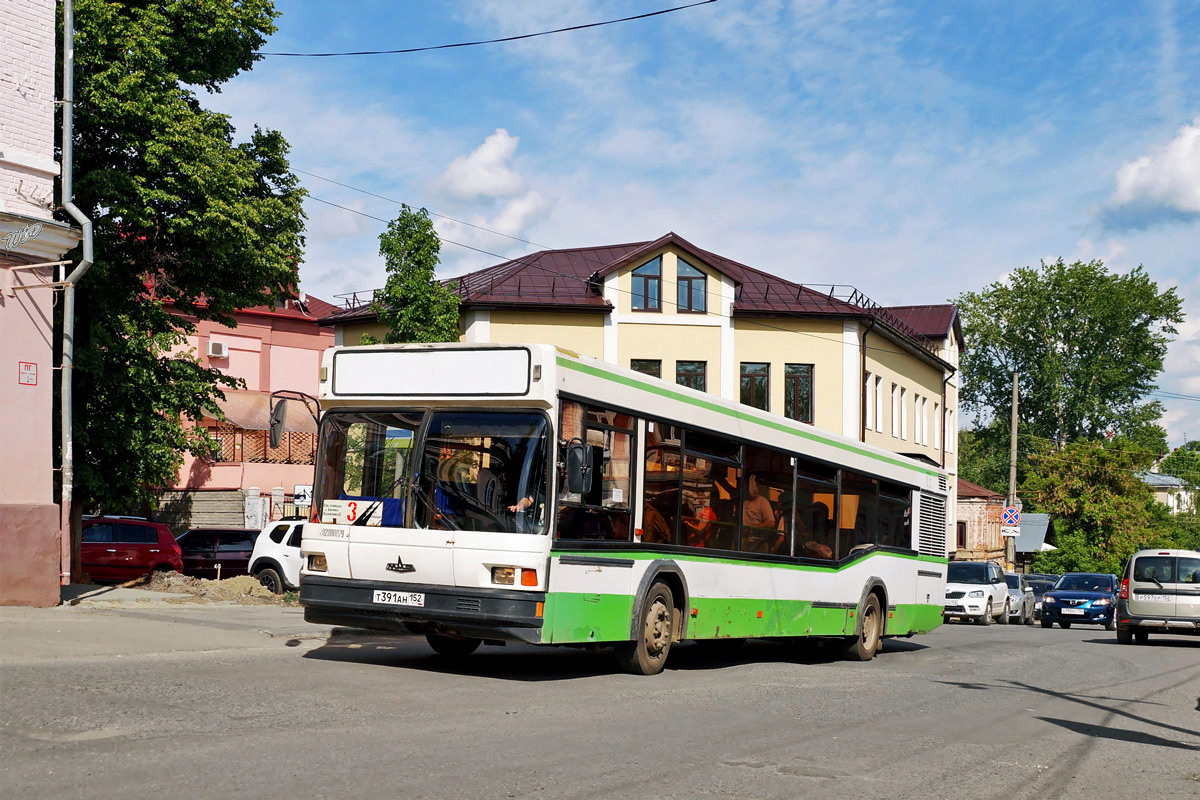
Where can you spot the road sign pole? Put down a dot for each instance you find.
(1010, 544)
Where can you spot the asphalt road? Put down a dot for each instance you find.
(167, 703)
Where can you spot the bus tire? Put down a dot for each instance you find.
(451, 645)
(647, 654)
(865, 644)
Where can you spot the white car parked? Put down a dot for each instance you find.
(977, 591)
(276, 557)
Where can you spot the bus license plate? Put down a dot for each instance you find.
(399, 598)
(1073, 611)
(1152, 598)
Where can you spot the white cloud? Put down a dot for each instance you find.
(1164, 185)
(486, 171)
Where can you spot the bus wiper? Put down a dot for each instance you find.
(433, 512)
(366, 515)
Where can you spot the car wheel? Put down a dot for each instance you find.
(1124, 636)
(1029, 618)
(647, 654)
(451, 645)
(985, 618)
(1064, 625)
(270, 578)
(1142, 636)
(1003, 619)
(864, 646)
(1111, 625)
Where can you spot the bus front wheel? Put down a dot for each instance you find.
(863, 646)
(452, 646)
(647, 654)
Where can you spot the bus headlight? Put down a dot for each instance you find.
(317, 562)
(504, 575)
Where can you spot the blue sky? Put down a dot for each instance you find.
(915, 150)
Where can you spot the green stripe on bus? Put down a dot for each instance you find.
(645, 555)
(729, 412)
(572, 617)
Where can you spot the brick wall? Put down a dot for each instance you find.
(27, 93)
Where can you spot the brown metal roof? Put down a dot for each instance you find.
(571, 280)
(968, 490)
(934, 322)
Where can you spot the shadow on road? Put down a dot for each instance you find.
(1118, 734)
(1158, 641)
(529, 663)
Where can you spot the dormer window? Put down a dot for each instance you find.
(647, 286)
(693, 294)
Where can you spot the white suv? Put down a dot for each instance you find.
(976, 590)
(276, 557)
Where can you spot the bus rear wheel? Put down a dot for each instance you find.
(866, 643)
(647, 654)
(451, 645)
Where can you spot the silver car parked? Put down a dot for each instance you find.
(1020, 599)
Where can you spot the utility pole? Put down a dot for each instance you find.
(1010, 542)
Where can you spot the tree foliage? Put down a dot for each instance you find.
(185, 220)
(1184, 463)
(413, 304)
(1087, 345)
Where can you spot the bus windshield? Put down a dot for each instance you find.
(484, 471)
(364, 467)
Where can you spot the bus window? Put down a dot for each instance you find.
(710, 503)
(895, 516)
(766, 502)
(816, 499)
(604, 512)
(661, 478)
(364, 467)
(484, 471)
(859, 512)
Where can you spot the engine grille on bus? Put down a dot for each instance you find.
(931, 537)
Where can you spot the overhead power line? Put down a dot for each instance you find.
(494, 41)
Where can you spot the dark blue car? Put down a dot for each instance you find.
(1081, 597)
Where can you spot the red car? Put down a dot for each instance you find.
(124, 548)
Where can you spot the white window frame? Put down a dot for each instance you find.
(937, 426)
(895, 411)
(878, 404)
(904, 413)
(869, 403)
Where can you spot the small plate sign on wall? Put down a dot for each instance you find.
(27, 375)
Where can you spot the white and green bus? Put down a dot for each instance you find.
(505, 493)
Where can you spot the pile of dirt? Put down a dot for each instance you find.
(243, 589)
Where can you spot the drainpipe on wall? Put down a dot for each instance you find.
(862, 383)
(944, 382)
(66, 508)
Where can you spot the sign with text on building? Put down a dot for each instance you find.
(27, 373)
(1012, 516)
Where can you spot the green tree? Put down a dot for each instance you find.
(1087, 344)
(185, 220)
(413, 304)
(983, 456)
(1184, 463)
(1101, 509)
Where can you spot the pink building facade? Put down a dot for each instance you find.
(29, 239)
(271, 350)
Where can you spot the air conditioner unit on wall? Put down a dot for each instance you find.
(218, 350)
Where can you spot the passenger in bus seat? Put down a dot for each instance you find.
(699, 528)
(757, 511)
(655, 529)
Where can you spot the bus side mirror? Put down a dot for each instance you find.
(579, 468)
(277, 415)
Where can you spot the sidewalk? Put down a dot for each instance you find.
(102, 621)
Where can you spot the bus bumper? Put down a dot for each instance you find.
(483, 613)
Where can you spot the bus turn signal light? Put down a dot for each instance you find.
(529, 577)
